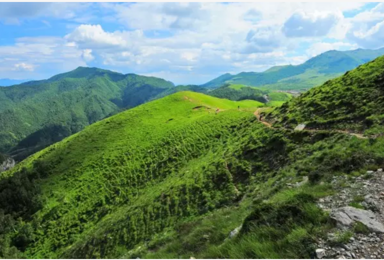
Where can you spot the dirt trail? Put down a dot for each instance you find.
(258, 111)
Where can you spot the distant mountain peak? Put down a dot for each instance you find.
(311, 73)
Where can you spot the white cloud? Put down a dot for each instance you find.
(314, 24)
(38, 57)
(24, 67)
(93, 36)
(320, 47)
(367, 28)
(190, 41)
(87, 55)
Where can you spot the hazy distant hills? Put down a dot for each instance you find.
(313, 72)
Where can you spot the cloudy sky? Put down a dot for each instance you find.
(187, 43)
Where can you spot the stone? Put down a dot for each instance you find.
(300, 127)
(320, 253)
(380, 170)
(370, 172)
(235, 232)
(346, 216)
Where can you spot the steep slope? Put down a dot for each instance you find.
(313, 72)
(171, 179)
(38, 113)
(352, 102)
(145, 162)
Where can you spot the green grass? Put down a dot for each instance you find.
(171, 178)
(352, 102)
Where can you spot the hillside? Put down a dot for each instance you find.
(238, 92)
(353, 102)
(38, 113)
(173, 179)
(313, 72)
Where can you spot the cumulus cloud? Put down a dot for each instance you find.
(310, 24)
(93, 36)
(264, 39)
(367, 28)
(24, 67)
(33, 57)
(186, 42)
(87, 55)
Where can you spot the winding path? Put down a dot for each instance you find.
(258, 111)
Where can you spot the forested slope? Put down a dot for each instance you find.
(38, 113)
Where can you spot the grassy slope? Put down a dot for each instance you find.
(124, 164)
(170, 179)
(354, 101)
(312, 73)
(43, 112)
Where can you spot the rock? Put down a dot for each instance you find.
(300, 127)
(320, 253)
(370, 172)
(8, 164)
(346, 216)
(235, 232)
(380, 170)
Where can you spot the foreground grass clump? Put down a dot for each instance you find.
(281, 230)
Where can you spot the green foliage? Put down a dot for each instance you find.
(276, 230)
(242, 92)
(352, 102)
(359, 227)
(36, 114)
(343, 237)
(312, 73)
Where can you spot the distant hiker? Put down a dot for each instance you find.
(217, 111)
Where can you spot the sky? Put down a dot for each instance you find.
(186, 43)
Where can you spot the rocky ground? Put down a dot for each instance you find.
(9, 163)
(358, 210)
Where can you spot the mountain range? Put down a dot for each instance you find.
(190, 175)
(37, 113)
(311, 73)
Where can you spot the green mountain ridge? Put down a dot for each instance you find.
(353, 102)
(312, 73)
(174, 177)
(37, 113)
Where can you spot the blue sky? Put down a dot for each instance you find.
(187, 43)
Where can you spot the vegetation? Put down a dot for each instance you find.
(353, 102)
(312, 73)
(238, 92)
(175, 177)
(171, 178)
(36, 114)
